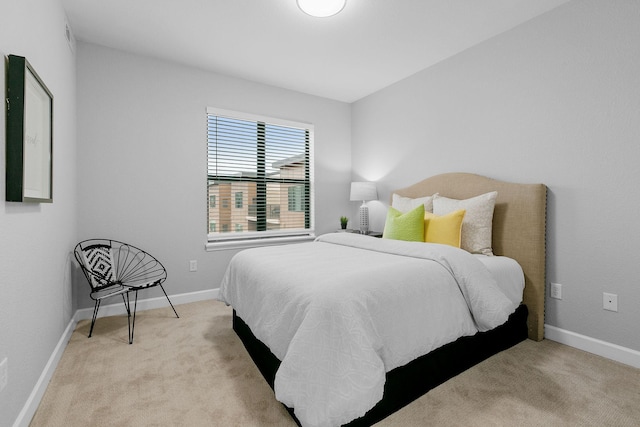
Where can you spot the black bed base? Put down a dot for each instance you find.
(407, 383)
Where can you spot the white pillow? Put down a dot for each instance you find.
(406, 204)
(477, 226)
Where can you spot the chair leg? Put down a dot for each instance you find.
(127, 306)
(133, 323)
(165, 294)
(96, 307)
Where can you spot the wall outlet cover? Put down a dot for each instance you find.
(3, 373)
(610, 301)
(556, 291)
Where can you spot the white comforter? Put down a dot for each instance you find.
(343, 310)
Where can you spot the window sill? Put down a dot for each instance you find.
(254, 243)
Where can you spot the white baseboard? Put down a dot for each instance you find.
(601, 348)
(29, 408)
(117, 308)
(31, 405)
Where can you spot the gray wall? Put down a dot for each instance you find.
(36, 239)
(142, 156)
(557, 101)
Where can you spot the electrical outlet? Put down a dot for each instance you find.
(610, 301)
(3, 374)
(193, 265)
(556, 290)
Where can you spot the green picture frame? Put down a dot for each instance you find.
(29, 150)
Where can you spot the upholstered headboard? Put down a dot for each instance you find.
(519, 228)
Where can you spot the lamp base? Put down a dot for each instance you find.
(364, 219)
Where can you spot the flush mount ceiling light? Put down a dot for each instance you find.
(321, 8)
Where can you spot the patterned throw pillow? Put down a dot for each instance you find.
(477, 226)
(99, 261)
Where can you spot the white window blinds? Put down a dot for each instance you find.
(259, 177)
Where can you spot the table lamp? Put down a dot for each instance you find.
(363, 191)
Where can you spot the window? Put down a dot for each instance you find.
(296, 198)
(265, 167)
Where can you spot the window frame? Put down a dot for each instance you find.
(267, 237)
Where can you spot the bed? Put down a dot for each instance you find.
(518, 232)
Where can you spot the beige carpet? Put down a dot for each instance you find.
(194, 371)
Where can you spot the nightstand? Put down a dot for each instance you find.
(370, 233)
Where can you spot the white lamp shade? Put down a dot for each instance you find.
(363, 191)
(321, 8)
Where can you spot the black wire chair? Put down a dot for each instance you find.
(115, 268)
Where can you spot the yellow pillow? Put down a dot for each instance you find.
(405, 226)
(445, 229)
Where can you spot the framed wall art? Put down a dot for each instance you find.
(29, 135)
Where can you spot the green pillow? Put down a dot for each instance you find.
(405, 226)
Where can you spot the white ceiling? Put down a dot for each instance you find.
(368, 46)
